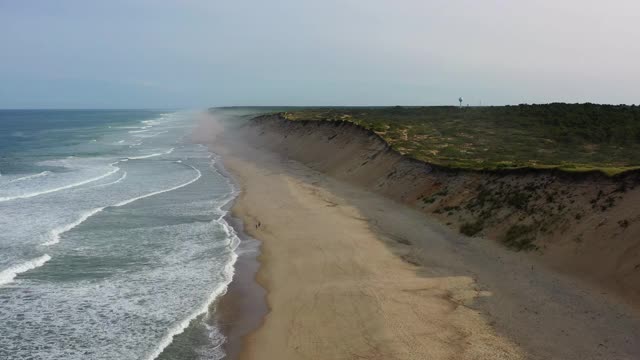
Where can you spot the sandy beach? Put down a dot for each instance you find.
(336, 292)
(353, 275)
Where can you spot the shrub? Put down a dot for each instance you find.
(518, 200)
(520, 237)
(428, 200)
(622, 187)
(470, 229)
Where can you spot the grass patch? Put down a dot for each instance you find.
(571, 137)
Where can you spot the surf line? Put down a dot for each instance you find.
(150, 136)
(228, 272)
(54, 235)
(30, 195)
(150, 155)
(122, 177)
(33, 176)
(7, 276)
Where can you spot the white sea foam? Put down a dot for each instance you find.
(38, 193)
(229, 271)
(178, 265)
(150, 123)
(126, 127)
(54, 235)
(124, 176)
(150, 135)
(7, 276)
(220, 290)
(123, 203)
(32, 176)
(142, 129)
(151, 155)
(144, 156)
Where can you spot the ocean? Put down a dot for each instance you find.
(113, 239)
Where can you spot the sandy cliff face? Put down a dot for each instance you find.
(586, 224)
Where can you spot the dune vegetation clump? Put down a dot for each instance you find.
(520, 237)
(571, 137)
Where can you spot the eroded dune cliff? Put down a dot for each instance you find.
(586, 224)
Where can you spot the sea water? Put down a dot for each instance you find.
(113, 242)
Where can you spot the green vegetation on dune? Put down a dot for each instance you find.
(572, 137)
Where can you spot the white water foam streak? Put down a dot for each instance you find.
(7, 276)
(151, 155)
(142, 129)
(33, 176)
(122, 203)
(54, 235)
(124, 176)
(150, 136)
(30, 195)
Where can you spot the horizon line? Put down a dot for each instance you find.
(291, 106)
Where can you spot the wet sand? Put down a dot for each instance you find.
(243, 307)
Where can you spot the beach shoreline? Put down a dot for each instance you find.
(241, 309)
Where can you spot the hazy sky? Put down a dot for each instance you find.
(160, 53)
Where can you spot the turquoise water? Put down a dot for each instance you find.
(112, 236)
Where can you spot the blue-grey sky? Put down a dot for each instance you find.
(196, 53)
